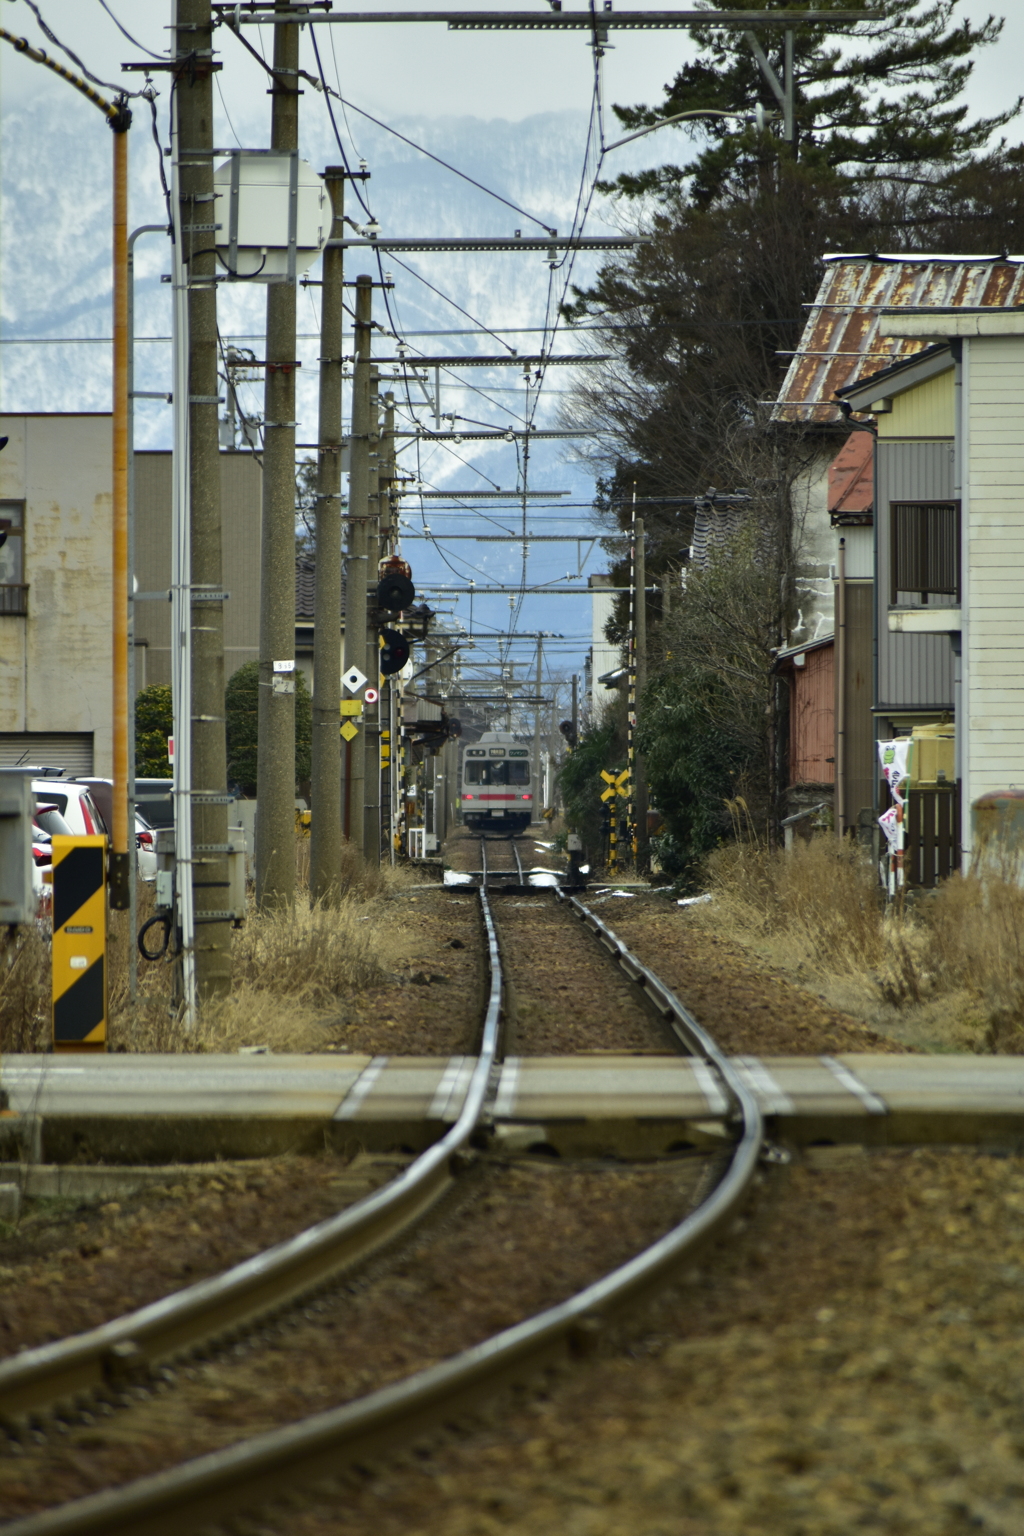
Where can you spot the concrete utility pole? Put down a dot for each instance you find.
(359, 511)
(371, 666)
(275, 769)
(640, 612)
(537, 727)
(325, 828)
(209, 867)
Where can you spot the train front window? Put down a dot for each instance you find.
(496, 773)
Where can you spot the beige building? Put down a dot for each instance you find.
(55, 592)
(55, 583)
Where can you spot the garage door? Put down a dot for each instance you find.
(70, 750)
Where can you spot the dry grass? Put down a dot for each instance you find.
(946, 973)
(293, 971)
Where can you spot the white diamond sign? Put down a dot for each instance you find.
(354, 679)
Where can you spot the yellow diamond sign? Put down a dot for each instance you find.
(349, 730)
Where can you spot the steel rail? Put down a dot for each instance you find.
(483, 864)
(695, 1040)
(257, 1471)
(116, 1353)
(519, 862)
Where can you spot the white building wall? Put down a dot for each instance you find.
(55, 662)
(993, 607)
(816, 548)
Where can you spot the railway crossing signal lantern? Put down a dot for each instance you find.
(394, 651)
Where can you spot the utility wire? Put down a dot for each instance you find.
(118, 90)
(160, 57)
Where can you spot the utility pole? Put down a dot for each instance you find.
(275, 770)
(640, 611)
(358, 544)
(537, 721)
(575, 707)
(325, 827)
(208, 870)
(371, 712)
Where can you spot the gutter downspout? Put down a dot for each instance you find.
(841, 692)
(961, 708)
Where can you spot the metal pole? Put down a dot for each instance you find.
(575, 705)
(181, 565)
(371, 712)
(208, 872)
(640, 606)
(120, 863)
(537, 730)
(840, 765)
(325, 827)
(358, 541)
(631, 689)
(275, 768)
(133, 954)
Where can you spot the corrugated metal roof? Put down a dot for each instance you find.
(844, 338)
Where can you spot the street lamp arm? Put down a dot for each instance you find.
(678, 117)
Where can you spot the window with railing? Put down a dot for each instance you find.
(925, 550)
(13, 591)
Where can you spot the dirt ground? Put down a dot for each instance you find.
(750, 1007)
(68, 1266)
(854, 1361)
(433, 1003)
(517, 1238)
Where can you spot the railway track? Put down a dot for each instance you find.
(256, 1471)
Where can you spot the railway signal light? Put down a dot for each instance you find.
(394, 651)
(570, 733)
(395, 590)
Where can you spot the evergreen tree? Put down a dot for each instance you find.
(241, 700)
(154, 722)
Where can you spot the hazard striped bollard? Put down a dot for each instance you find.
(79, 943)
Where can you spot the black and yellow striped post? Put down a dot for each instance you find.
(79, 943)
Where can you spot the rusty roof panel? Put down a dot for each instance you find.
(844, 338)
(851, 481)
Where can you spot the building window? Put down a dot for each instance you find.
(13, 590)
(925, 550)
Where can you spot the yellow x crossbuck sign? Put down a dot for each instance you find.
(619, 785)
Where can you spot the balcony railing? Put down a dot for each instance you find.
(13, 597)
(925, 550)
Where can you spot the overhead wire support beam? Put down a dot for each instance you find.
(558, 21)
(412, 244)
(506, 360)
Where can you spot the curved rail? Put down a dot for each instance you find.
(116, 1352)
(256, 1471)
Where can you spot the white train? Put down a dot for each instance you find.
(496, 789)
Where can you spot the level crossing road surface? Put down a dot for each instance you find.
(143, 1108)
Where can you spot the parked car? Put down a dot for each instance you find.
(74, 802)
(145, 846)
(154, 802)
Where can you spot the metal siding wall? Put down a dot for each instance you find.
(914, 671)
(926, 411)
